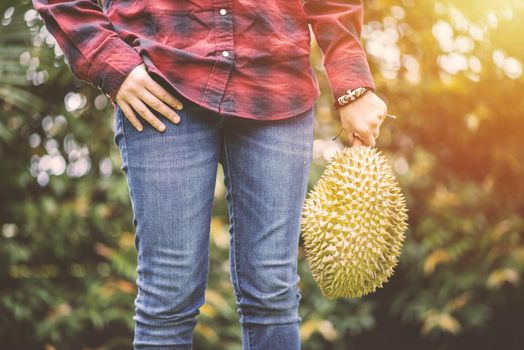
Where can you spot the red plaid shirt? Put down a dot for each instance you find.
(245, 58)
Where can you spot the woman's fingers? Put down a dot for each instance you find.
(356, 138)
(366, 137)
(362, 136)
(376, 133)
(145, 113)
(162, 94)
(369, 133)
(139, 92)
(130, 115)
(357, 142)
(369, 140)
(376, 128)
(351, 137)
(152, 101)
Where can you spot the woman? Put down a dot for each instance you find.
(197, 83)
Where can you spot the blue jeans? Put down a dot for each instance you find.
(171, 177)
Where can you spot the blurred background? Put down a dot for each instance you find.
(451, 71)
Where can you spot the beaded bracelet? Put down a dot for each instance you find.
(351, 95)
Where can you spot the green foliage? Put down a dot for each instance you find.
(452, 73)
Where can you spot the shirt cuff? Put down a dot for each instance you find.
(112, 65)
(347, 74)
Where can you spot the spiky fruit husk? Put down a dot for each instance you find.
(353, 223)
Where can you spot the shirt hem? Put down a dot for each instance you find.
(305, 107)
(198, 103)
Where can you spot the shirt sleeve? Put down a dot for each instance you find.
(88, 40)
(337, 26)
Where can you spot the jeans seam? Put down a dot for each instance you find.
(206, 274)
(233, 223)
(125, 154)
(250, 345)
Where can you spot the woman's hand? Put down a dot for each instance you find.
(138, 92)
(362, 118)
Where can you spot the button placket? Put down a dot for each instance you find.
(216, 86)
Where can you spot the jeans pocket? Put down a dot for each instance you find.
(117, 125)
(119, 135)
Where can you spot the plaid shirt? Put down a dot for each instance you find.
(244, 58)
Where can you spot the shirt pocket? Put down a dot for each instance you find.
(188, 30)
(275, 35)
(132, 22)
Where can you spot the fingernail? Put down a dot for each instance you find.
(179, 107)
(162, 127)
(177, 120)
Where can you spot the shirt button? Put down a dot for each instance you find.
(223, 12)
(225, 53)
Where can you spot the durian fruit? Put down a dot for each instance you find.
(353, 223)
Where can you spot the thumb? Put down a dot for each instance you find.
(363, 140)
(357, 142)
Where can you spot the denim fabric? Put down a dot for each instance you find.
(171, 177)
